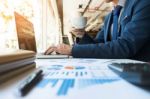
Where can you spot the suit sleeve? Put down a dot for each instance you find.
(135, 34)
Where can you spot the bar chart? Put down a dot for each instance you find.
(70, 83)
(68, 77)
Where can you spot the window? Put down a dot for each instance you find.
(51, 19)
(36, 11)
(8, 37)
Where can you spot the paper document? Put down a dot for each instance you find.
(79, 79)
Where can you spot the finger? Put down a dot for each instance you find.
(59, 49)
(48, 51)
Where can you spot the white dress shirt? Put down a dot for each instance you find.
(121, 3)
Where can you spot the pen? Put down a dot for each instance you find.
(30, 82)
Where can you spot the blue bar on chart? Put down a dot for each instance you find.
(66, 85)
(81, 73)
(76, 74)
(87, 82)
(45, 82)
(54, 82)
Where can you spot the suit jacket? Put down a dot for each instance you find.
(133, 39)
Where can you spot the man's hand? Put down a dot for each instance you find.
(50, 50)
(77, 32)
(64, 49)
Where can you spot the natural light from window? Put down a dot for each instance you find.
(36, 11)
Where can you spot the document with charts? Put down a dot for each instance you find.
(64, 77)
(79, 79)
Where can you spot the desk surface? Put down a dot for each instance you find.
(75, 79)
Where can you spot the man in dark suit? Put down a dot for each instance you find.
(131, 40)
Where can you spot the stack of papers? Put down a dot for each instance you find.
(14, 61)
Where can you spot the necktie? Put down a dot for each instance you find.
(116, 13)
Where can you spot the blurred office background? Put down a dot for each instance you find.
(50, 18)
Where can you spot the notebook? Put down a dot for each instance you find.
(26, 37)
